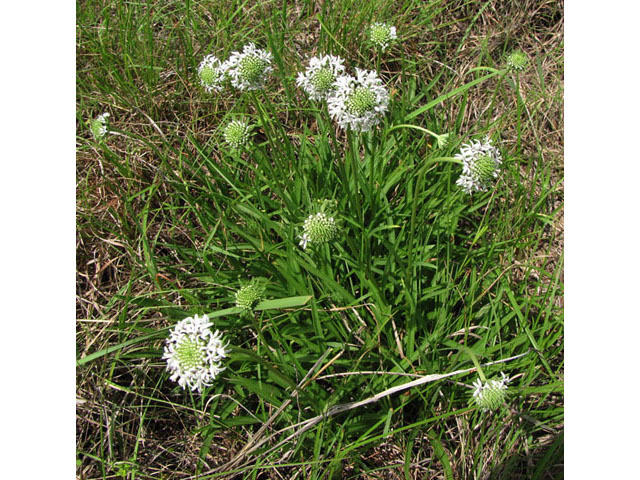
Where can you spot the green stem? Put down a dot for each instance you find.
(415, 127)
(355, 170)
(266, 125)
(476, 363)
(519, 109)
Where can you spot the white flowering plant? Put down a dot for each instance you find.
(250, 294)
(215, 171)
(319, 227)
(211, 72)
(517, 61)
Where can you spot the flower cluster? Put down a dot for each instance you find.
(193, 353)
(517, 61)
(318, 228)
(100, 126)
(492, 394)
(480, 165)
(248, 70)
(248, 296)
(211, 72)
(358, 102)
(382, 35)
(319, 79)
(237, 133)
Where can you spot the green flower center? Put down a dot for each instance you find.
(190, 354)
(491, 398)
(236, 134)
(323, 80)
(484, 168)
(251, 68)
(248, 296)
(320, 229)
(99, 128)
(96, 128)
(380, 34)
(362, 100)
(208, 75)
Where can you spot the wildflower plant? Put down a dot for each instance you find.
(237, 133)
(490, 395)
(100, 126)
(319, 79)
(194, 353)
(358, 103)
(249, 295)
(358, 286)
(249, 70)
(517, 61)
(382, 35)
(480, 165)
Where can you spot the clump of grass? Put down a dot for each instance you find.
(362, 359)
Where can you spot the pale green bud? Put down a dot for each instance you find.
(248, 296)
(517, 61)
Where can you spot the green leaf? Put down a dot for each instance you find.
(450, 94)
(120, 346)
(288, 302)
(441, 454)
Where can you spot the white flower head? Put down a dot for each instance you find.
(237, 133)
(480, 165)
(492, 394)
(211, 72)
(319, 79)
(248, 70)
(358, 103)
(382, 35)
(194, 353)
(100, 126)
(317, 229)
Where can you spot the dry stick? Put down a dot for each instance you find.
(153, 124)
(369, 372)
(336, 409)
